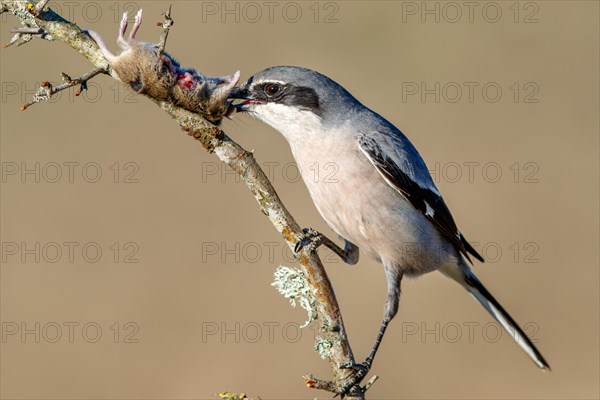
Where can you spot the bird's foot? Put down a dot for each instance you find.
(311, 239)
(360, 372)
(314, 239)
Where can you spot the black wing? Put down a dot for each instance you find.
(425, 198)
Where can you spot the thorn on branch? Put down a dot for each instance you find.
(46, 90)
(166, 25)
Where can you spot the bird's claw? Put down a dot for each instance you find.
(356, 366)
(310, 239)
(361, 371)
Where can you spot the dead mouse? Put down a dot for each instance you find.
(160, 76)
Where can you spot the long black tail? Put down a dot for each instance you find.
(469, 281)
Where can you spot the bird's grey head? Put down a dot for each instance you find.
(296, 101)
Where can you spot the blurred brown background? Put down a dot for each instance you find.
(178, 304)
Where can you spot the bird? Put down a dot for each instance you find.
(380, 197)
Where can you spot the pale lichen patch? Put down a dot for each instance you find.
(293, 285)
(323, 347)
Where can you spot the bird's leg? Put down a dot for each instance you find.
(363, 368)
(350, 253)
(391, 309)
(314, 239)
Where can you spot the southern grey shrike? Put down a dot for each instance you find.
(382, 198)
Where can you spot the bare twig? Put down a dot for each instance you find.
(60, 29)
(30, 31)
(315, 383)
(371, 382)
(46, 90)
(25, 35)
(214, 140)
(15, 39)
(166, 25)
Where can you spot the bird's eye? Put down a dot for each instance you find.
(272, 89)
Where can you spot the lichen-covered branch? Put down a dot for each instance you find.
(243, 162)
(214, 140)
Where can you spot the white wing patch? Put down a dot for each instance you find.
(429, 211)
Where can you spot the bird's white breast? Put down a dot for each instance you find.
(350, 194)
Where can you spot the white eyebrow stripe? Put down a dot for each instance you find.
(264, 81)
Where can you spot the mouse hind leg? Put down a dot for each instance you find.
(121, 41)
(136, 26)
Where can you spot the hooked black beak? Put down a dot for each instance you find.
(239, 93)
(242, 93)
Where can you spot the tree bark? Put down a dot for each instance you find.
(214, 140)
